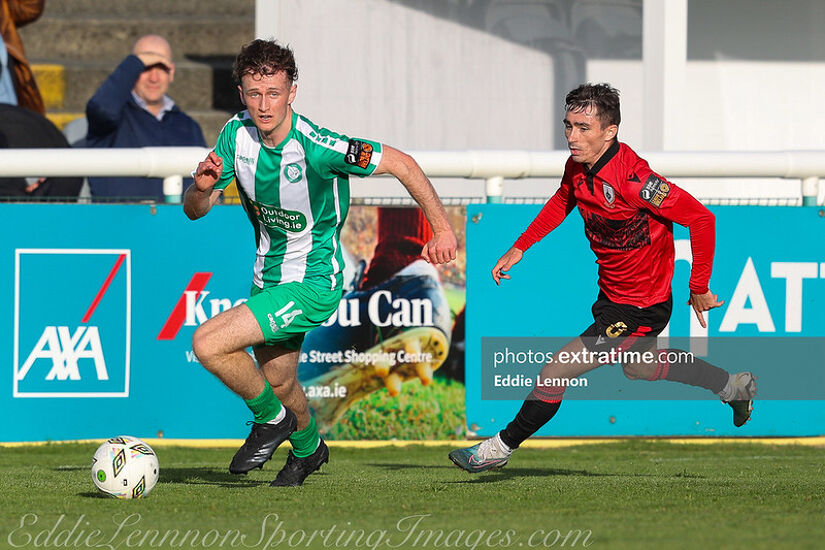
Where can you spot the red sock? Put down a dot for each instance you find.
(402, 233)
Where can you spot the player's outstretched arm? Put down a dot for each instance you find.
(201, 195)
(510, 258)
(441, 248)
(704, 302)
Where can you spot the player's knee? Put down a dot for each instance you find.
(203, 347)
(283, 385)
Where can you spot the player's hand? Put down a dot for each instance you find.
(510, 258)
(441, 248)
(150, 59)
(208, 172)
(704, 302)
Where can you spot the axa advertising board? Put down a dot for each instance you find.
(103, 300)
(89, 289)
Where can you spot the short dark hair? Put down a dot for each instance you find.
(264, 57)
(603, 97)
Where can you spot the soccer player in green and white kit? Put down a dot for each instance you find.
(292, 177)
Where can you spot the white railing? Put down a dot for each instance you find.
(173, 163)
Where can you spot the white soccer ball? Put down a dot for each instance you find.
(125, 467)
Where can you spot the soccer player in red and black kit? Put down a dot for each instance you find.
(628, 213)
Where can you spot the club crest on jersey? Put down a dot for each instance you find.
(293, 172)
(609, 194)
(359, 153)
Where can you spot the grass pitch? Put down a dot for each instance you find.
(426, 412)
(623, 494)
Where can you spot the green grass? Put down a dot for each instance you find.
(418, 412)
(626, 494)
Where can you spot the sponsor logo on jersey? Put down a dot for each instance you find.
(359, 153)
(615, 330)
(72, 339)
(293, 172)
(279, 218)
(245, 160)
(655, 190)
(634, 177)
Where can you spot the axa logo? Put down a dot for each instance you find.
(74, 340)
(194, 307)
(65, 349)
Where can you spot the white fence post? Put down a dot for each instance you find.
(173, 188)
(493, 189)
(810, 191)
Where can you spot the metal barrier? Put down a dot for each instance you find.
(173, 163)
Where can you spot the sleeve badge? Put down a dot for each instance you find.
(359, 153)
(655, 190)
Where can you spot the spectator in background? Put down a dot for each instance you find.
(15, 66)
(7, 93)
(131, 109)
(22, 129)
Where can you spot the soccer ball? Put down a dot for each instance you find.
(125, 467)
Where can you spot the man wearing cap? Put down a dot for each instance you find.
(131, 109)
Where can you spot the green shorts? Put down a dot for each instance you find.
(286, 312)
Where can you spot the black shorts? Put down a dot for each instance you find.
(625, 324)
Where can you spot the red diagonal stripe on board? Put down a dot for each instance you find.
(170, 329)
(103, 288)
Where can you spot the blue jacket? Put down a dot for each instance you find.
(115, 120)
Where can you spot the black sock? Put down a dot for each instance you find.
(533, 415)
(695, 372)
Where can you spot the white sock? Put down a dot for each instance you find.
(501, 445)
(280, 416)
(727, 392)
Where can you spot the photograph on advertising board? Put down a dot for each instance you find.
(389, 362)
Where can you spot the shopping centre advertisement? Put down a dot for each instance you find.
(769, 270)
(103, 300)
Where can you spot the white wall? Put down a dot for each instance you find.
(491, 74)
(385, 71)
(749, 105)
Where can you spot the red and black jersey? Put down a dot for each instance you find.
(628, 212)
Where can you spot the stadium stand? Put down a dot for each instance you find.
(76, 44)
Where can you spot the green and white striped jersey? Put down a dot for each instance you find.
(296, 195)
